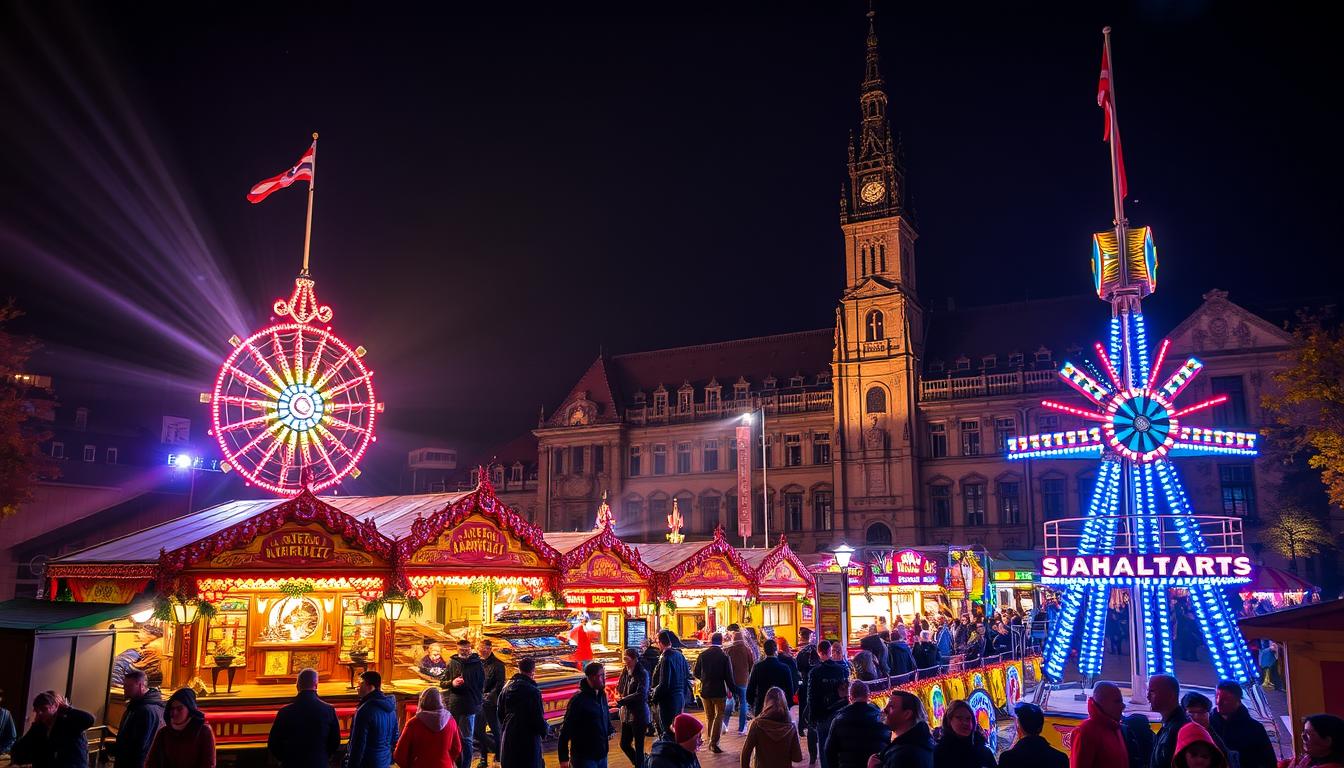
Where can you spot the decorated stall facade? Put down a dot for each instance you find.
(782, 591)
(886, 584)
(606, 579)
(698, 582)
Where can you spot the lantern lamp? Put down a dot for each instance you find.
(392, 607)
(185, 611)
(843, 553)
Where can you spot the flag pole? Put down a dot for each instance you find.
(1121, 223)
(308, 225)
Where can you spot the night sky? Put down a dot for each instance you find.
(501, 196)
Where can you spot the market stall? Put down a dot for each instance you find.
(782, 591)
(1275, 589)
(698, 581)
(967, 580)
(605, 582)
(1013, 582)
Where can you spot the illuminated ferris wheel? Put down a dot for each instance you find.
(293, 404)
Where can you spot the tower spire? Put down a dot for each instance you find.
(877, 180)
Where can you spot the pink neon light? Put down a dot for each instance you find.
(1093, 415)
(1106, 363)
(1157, 364)
(1212, 401)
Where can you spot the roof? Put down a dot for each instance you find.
(754, 556)
(521, 449)
(1019, 327)
(32, 614)
(664, 557)
(391, 515)
(1323, 621)
(565, 543)
(613, 381)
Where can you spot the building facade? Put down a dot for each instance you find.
(891, 426)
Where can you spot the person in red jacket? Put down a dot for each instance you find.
(583, 645)
(1097, 741)
(430, 739)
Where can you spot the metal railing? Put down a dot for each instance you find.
(1157, 533)
(774, 404)
(988, 385)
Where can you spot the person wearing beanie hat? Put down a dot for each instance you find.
(1196, 749)
(185, 741)
(677, 749)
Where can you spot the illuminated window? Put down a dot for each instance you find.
(1238, 484)
(1010, 503)
(874, 326)
(937, 441)
(940, 504)
(973, 500)
(710, 456)
(776, 614)
(823, 510)
(793, 450)
(970, 437)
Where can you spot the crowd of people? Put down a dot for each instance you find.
(475, 713)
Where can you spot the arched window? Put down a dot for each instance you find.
(874, 325)
(878, 534)
(876, 400)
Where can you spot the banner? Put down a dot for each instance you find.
(744, 480)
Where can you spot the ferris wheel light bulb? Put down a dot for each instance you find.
(234, 341)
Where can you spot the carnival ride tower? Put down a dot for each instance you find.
(1139, 532)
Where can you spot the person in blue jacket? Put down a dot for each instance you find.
(373, 732)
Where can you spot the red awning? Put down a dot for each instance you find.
(1275, 580)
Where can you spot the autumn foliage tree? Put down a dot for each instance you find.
(21, 436)
(1307, 404)
(1294, 533)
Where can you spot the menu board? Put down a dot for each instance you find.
(636, 633)
(228, 631)
(358, 632)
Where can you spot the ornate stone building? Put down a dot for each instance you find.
(887, 428)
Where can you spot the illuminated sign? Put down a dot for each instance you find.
(1183, 568)
(906, 567)
(477, 542)
(199, 463)
(1014, 576)
(603, 567)
(602, 599)
(297, 548)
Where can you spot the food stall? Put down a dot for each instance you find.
(605, 579)
(1283, 589)
(892, 585)
(1013, 582)
(782, 591)
(701, 580)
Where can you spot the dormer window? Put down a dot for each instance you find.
(685, 398)
(936, 366)
(741, 389)
(963, 363)
(824, 378)
(989, 362)
(516, 472)
(796, 381)
(770, 382)
(660, 401)
(712, 394)
(1015, 360)
(640, 397)
(1044, 355)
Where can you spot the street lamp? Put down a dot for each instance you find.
(843, 553)
(185, 611)
(185, 462)
(747, 418)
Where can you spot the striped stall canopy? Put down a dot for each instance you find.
(1276, 580)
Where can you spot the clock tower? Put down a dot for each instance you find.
(879, 330)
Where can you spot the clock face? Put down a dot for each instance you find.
(872, 191)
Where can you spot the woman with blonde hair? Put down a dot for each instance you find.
(772, 736)
(430, 739)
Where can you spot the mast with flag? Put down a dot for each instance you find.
(304, 170)
(1111, 134)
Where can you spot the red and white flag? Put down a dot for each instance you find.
(1106, 100)
(302, 171)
